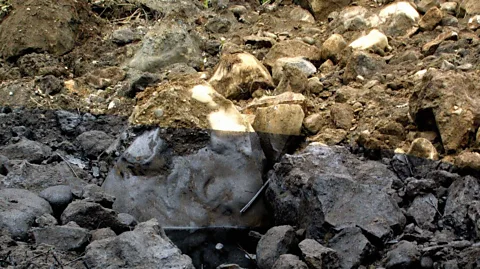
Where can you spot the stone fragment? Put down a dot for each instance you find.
(300, 14)
(25, 149)
(36, 178)
(434, 106)
(277, 241)
(58, 196)
(430, 47)
(423, 148)
(363, 64)
(46, 220)
(124, 36)
(352, 247)
(95, 194)
(374, 40)
(102, 233)
(339, 193)
(461, 195)
(317, 256)
(329, 136)
(19, 209)
(292, 80)
(164, 45)
(218, 25)
(321, 8)
(68, 121)
(66, 237)
(92, 216)
(424, 5)
(431, 19)
(145, 247)
(342, 115)
(468, 160)
(471, 7)
(332, 48)
(304, 66)
(289, 261)
(403, 255)
(292, 48)
(400, 7)
(474, 22)
(423, 210)
(238, 75)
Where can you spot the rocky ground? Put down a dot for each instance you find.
(136, 132)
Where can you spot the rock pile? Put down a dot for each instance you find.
(359, 119)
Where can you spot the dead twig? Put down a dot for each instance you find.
(245, 208)
(429, 201)
(68, 164)
(76, 259)
(57, 260)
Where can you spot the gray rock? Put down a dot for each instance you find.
(403, 255)
(46, 220)
(306, 67)
(166, 44)
(39, 177)
(124, 36)
(58, 196)
(68, 121)
(32, 151)
(317, 256)
(363, 64)
(145, 247)
(67, 237)
(277, 241)
(419, 186)
(102, 233)
(95, 194)
(138, 81)
(94, 143)
(321, 8)
(352, 247)
(218, 25)
(19, 209)
(423, 210)
(339, 193)
(92, 216)
(218, 170)
(289, 261)
(461, 195)
(127, 220)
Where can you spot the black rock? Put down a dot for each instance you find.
(68, 121)
(19, 209)
(277, 241)
(58, 196)
(92, 216)
(94, 143)
(404, 255)
(28, 150)
(66, 237)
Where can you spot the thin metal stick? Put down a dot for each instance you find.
(245, 208)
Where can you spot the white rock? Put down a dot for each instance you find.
(399, 8)
(374, 38)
